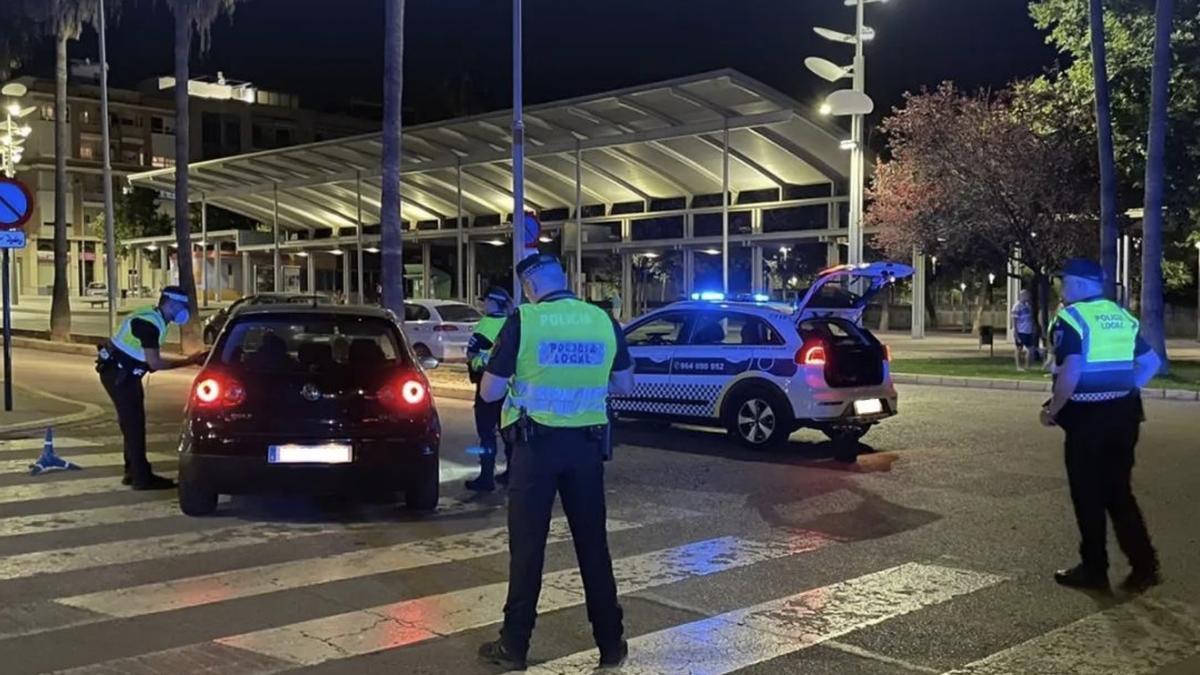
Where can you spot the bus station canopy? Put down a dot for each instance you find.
(676, 139)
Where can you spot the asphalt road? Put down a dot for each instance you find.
(930, 553)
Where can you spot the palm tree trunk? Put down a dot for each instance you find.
(1104, 142)
(1152, 223)
(60, 305)
(190, 333)
(392, 244)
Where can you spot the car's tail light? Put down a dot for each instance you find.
(811, 355)
(407, 391)
(215, 391)
(445, 328)
(887, 353)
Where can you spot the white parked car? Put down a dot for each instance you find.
(96, 289)
(762, 370)
(440, 328)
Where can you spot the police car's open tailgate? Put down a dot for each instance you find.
(855, 286)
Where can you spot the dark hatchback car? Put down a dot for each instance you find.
(322, 400)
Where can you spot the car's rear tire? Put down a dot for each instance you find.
(423, 497)
(210, 336)
(195, 500)
(422, 351)
(758, 417)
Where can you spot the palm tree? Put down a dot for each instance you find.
(1104, 142)
(1152, 220)
(392, 244)
(63, 20)
(191, 16)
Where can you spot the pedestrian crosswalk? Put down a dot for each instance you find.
(257, 590)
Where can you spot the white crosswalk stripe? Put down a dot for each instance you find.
(35, 444)
(745, 637)
(396, 625)
(105, 459)
(1137, 638)
(82, 518)
(52, 488)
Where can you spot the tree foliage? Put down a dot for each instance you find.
(1062, 99)
(136, 214)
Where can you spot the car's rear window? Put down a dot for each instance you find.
(311, 344)
(458, 313)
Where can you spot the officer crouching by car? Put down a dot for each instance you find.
(1102, 363)
(558, 360)
(496, 305)
(123, 360)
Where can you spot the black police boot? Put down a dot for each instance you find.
(153, 482)
(502, 477)
(1142, 580)
(497, 653)
(126, 480)
(1083, 578)
(614, 656)
(482, 484)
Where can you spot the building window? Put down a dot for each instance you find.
(85, 116)
(89, 150)
(160, 162)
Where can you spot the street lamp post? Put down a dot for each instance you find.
(855, 103)
(110, 244)
(518, 154)
(1198, 291)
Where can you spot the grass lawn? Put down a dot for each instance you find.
(1184, 374)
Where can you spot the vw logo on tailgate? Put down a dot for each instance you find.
(310, 392)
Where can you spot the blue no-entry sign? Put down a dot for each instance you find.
(16, 204)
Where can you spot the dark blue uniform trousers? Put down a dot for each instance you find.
(564, 462)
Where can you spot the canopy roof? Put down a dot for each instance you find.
(646, 143)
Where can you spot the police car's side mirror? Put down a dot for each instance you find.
(429, 363)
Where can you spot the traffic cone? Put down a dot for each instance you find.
(48, 461)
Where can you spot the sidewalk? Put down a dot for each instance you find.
(947, 345)
(35, 410)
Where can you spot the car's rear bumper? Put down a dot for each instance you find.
(392, 467)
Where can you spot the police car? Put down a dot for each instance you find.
(762, 369)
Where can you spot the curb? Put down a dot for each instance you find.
(1024, 385)
(456, 393)
(79, 348)
(89, 411)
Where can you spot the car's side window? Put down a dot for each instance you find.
(415, 313)
(665, 330)
(734, 329)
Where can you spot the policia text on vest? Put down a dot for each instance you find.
(1102, 365)
(557, 360)
(123, 360)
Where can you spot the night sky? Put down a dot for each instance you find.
(458, 51)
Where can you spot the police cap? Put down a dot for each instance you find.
(175, 293)
(498, 294)
(536, 261)
(1083, 268)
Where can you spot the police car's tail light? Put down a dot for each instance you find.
(212, 391)
(811, 355)
(445, 328)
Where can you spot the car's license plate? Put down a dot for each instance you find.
(325, 453)
(871, 406)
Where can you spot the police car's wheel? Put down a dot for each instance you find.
(423, 498)
(846, 433)
(194, 501)
(758, 418)
(422, 352)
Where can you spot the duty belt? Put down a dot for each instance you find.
(107, 355)
(1098, 397)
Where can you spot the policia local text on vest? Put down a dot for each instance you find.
(557, 360)
(124, 360)
(1102, 365)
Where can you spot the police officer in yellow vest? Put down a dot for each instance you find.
(122, 362)
(496, 305)
(557, 360)
(1102, 364)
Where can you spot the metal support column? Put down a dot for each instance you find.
(345, 260)
(725, 209)
(164, 270)
(217, 269)
(275, 236)
(832, 255)
(689, 271)
(579, 278)
(312, 273)
(918, 295)
(362, 292)
(472, 278)
(1126, 245)
(204, 246)
(858, 163)
(626, 285)
(426, 270)
(518, 151)
(756, 273)
(460, 269)
(247, 275)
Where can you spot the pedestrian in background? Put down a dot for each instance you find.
(616, 305)
(1102, 364)
(497, 303)
(558, 359)
(1023, 331)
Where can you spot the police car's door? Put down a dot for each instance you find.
(723, 346)
(652, 341)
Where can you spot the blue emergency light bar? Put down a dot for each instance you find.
(717, 296)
